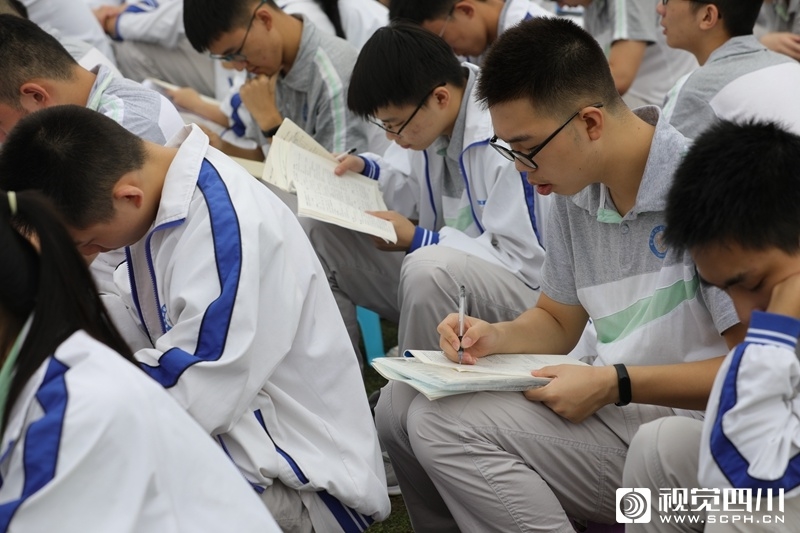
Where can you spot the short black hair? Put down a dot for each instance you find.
(418, 11)
(738, 184)
(399, 65)
(27, 52)
(551, 62)
(74, 156)
(737, 16)
(204, 21)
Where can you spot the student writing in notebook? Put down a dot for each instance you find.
(518, 462)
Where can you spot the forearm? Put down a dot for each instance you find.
(683, 386)
(537, 330)
(624, 61)
(246, 153)
(212, 112)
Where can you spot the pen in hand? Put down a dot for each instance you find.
(462, 304)
(341, 156)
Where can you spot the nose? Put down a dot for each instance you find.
(661, 9)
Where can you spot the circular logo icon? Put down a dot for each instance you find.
(657, 245)
(633, 505)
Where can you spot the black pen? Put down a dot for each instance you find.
(341, 156)
(462, 304)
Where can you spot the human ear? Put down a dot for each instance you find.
(466, 8)
(126, 192)
(593, 120)
(33, 97)
(709, 16)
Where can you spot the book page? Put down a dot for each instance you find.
(506, 364)
(163, 87)
(276, 171)
(321, 194)
(294, 134)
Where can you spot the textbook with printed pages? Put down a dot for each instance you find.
(296, 163)
(435, 376)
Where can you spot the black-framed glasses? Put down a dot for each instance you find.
(527, 159)
(399, 132)
(237, 55)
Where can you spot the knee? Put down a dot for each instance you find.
(426, 272)
(660, 450)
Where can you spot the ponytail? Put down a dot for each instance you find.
(53, 284)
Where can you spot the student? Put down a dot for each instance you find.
(39, 73)
(643, 66)
(312, 69)
(734, 175)
(511, 461)
(782, 19)
(468, 26)
(149, 41)
(243, 327)
(89, 443)
(476, 222)
(734, 67)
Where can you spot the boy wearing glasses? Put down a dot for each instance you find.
(521, 461)
(462, 213)
(468, 26)
(734, 69)
(299, 72)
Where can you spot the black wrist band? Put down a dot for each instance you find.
(270, 133)
(624, 385)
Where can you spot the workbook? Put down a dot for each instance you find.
(436, 376)
(296, 163)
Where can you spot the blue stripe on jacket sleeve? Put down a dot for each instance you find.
(227, 243)
(423, 237)
(730, 461)
(371, 169)
(42, 439)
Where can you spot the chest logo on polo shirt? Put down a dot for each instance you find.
(657, 244)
